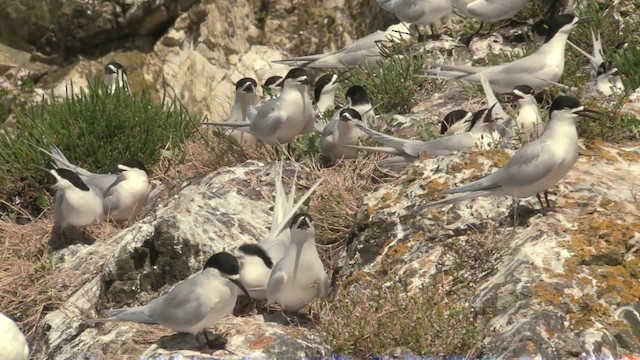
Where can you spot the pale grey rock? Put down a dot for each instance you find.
(217, 212)
(560, 285)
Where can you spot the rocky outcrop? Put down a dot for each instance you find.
(560, 285)
(218, 212)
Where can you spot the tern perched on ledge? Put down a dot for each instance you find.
(364, 50)
(537, 166)
(538, 70)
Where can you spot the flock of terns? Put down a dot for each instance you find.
(284, 268)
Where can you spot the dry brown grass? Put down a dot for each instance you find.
(336, 201)
(31, 283)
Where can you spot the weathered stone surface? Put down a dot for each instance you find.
(61, 29)
(217, 212)
(563, 284)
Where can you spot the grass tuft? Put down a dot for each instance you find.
(95, 130)
(391, 83)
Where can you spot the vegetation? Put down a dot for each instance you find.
(92, 128)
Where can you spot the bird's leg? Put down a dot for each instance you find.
(479, 29)
(490, 29)
(290, 149)
(202, 348)
(515, 213)
(540, 200)
(546, 197)
(222, 345)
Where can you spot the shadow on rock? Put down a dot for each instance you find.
(61, 239)
(183, 341)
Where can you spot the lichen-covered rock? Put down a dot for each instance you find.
(560, 285)
(217, 212)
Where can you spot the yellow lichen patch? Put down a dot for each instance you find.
(371, 210)
(474, 162)
(597, 149)
(398, 251)
(546, 293)
(595, 235)
(616, 281)
(434, 187)
(630, 156)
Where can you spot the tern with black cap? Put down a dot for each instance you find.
(480, 136)
(365, 50)
(299, 277)
(115, 76)
(271, 87)
(194, 304)
(243, 104)
(279, 120)
(76, 203)
(537, 166)
(125, 192)
(538, 70)
(339, 133)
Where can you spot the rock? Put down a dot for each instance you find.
(217, 212)
(544, 288)
(59, 30)
(318, 26)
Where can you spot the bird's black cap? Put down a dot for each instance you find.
(476, 116)
(607, 66)
(133, 163)
(223, 262)
(73, 178)
(358, 95)
(564, 103)
(304, 224)
(323, 81)
(272, 80)
(452, 118)
(113, 67)
(525, 89)
(558, 22)
(244, 81)
(354, 114)
(257, 250)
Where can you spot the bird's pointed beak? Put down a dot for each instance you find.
(239, 284)
(488, 118)
(585, 20)
(588, 113)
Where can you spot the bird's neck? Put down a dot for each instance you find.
(528, 109)
(556, 45)
(241, 106)
(326, 100)
(562, 130)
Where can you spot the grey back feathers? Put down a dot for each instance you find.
(223, 262)
(72, 177)
(257, 250)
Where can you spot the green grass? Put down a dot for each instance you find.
(95, 130)
(429, 322)
(391, 83)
